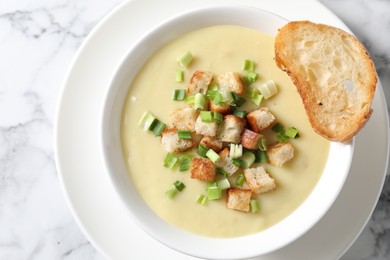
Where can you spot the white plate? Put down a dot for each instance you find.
(90, 196)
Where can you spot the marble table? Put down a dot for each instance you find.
(38, 40)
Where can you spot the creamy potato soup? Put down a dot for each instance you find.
(216, 49)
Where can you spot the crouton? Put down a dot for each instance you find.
(231, 81)
(250, 139)
(184, 118)
(202, 169)
(239, 199)
(226, 162)
(199, 82)
(222, 108)
(171, 142)
(260, 119)
(205, 128)
(259, 180)
(231, 129)
(212, 143)
(280, 153)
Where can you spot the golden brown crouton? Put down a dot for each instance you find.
(171, 142)
(231, 81)
(231, 129)
(212, 143)
(205, 128)
(184, 118)
(226, 162)
(222, 108)
(280, 153)
(239, 199)
(250, 139)
(199, 82)
(202, 169)
(260, 119)
(259, 180)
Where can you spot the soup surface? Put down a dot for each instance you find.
(217, 49)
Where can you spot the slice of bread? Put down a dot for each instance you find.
(333, 73)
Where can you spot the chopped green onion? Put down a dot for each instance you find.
(277, 128)
(202, 150)
(254, 95)
(240, 114)
(184, 134)
(179, 76)
(190, 100)
(206, 116)
(235, 151)
(170, 161)
(247, 159)
(254, 205)
(212, 155)
(158, 127)
(252, 76)
(237, 162)
(239, 101)
(282, 137)
(211, 184)
(268, 89)
(186, 59)
(179, 94)
(240, 180)
(185, 163)
(179, 185)
(222, 172)
(291, 132)
(213, 86)
(217, 98)
(211, 93)
(223, 183)
(261, 156)
(171, 192)
(218, 117)
(214, 193)
(200, 101)
(202, 200)
(146, 121)
(249, 65)
(263, 144)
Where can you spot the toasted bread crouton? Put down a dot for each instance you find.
(202, 169)
(231, 129)
(212, 143)
(280, 153)
(222, 108)
(199, 82)
(260, 119)
(205, 128)
(250, 139)
(184, 118)
(239, 199)
(226, 162)
(259, 180)
(231, 81)
(172, 143)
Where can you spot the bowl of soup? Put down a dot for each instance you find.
(161, 188)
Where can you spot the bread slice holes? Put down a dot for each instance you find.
(337, 63)
(312, 75)
(309, 43)
(348, 84)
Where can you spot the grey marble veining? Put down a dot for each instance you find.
(38, 40)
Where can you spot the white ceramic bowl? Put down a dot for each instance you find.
(277, 236)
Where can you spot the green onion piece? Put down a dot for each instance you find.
(223, 183)
(170, 161)
(190, 100)
(211, 93)
(235, 151)
(179, 185)
(254, 95)
(202, 200)
(254, 205)
(202, 150)
(179, 94)
(213, 156)
(222, 172)
(237, 162)
(200, 101)
(186, 59)
(171, 192)
(282, 137)
(211, 184)
(146, 121)
(185, 163)
(240, 114)
(158, 127)
(249, 65)
(184, 134)
(252, 76)
(213, 86)
(239, 101)
(268, 89)
(206, 116)
(214, 193)
(179, 76)
(261, 156)
(291, 132)
(217, 98)
(240, 180)
(247, 159)
(263, 144)
(218, 117)
(277, 128)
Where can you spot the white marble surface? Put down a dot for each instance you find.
(38, 39)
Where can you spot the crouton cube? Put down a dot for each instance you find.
(171, 142)
(250, 139)
(239, 199)
(231, 129)
(212, 143)
(202, 169)
(222, 108)
(231, 81)
(184, 118)
(260, 119)
(226, 162)
(280, 153)
(199, 82)
(259, 180)
(206, 128)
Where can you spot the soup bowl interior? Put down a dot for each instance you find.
(273, 238)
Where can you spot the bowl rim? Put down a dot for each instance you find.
(180, 239)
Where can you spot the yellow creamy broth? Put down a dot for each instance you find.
(217, 49)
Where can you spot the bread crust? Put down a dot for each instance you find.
(333, 74)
